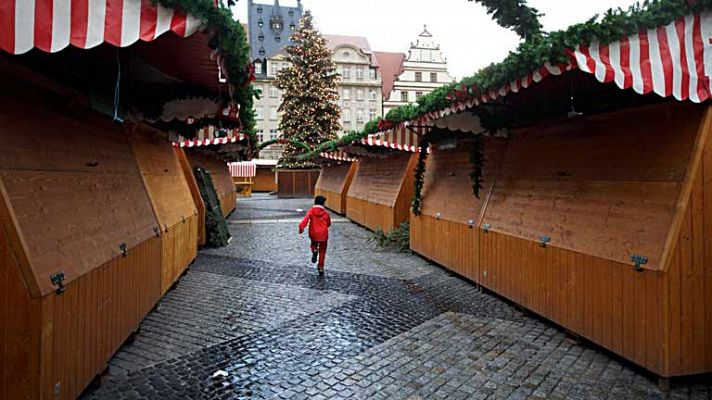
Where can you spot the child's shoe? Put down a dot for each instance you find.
(321, 271)
(315, 256)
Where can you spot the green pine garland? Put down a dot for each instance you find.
(230, 40)
(515, 15)
(417, 201)
(532, 54)
(477, 160)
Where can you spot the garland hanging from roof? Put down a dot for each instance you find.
(514, 15)
(531, 54)
(230, 40)
(417, 201)
(477, 160)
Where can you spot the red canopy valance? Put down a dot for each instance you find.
(51, 25)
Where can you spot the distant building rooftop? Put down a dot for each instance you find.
(391, 66)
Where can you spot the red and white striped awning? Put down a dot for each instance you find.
(245, 169)
(401, 138)
(674, 60)
(206, 137)
(338, 156)
(52, 25)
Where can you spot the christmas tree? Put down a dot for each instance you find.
(310, 113)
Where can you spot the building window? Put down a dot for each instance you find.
(261, 37)
(359, 115)
(274, 68)
(273, 113)
(359, 95)
(346, 72)
(404, 96)
(371, 114)
(433, 77)
(418, 95)
(346, 116)
(262, 52)
(372, 73)
(260, 136)
(259, 10)
(277, 39)
(418, 76)
(276, 25)
(291, 13)
(359, 73)
(372, 94)
(347, 94)
(259, 113)
(273, 92)
(292, 26)
(273, 134)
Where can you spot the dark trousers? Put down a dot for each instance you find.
(321, 247)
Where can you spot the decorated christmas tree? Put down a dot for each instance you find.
(310, 114)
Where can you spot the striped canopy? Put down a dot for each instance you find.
(207, 137)
(245, 169)
(401, 138)
(674, 60)
(52, 25)
(337, 156)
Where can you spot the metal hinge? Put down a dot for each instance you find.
(470, 223)
(124, 249)
(57, 279)
(486, 227)
(157, 231)
(543, 240)
(639, 260)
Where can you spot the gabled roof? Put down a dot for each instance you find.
(391, 66)
(334, 41)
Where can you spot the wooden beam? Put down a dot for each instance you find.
(686, 190)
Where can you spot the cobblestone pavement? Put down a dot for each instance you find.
(253, 320)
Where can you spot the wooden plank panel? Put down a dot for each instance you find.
(379, 180)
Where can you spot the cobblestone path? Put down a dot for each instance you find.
(253, 320)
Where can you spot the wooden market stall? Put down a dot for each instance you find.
(86, 188)
(266, 177)
(597, 218)
(222, 179)
(80, 245)
(296, 183)
(381, 191)
(334, 183)
(171, 198)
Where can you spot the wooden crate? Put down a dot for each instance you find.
(381, 191)
(222, 179)
(333, 183)
(265, 180)
(171, 198)
(296, 183)
(602, 189)
(71, 196)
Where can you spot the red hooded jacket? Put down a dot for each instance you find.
(319, 222)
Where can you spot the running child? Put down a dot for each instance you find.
(319, 222)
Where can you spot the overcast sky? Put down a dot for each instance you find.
(467, 35)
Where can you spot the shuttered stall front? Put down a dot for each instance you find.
(79, 253)
(265, 180)
(381, 191)
(296, 183)
(567, 213)
(171, 198)
(194, 192)
(446, 231)
(334, 182)
(222, 179)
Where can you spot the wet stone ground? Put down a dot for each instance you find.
(253, 320)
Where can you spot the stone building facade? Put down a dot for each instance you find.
(408, 77)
